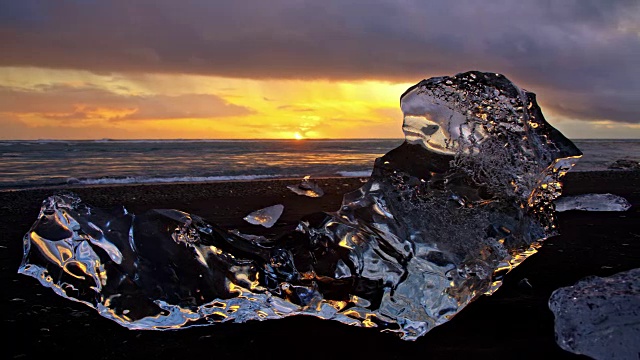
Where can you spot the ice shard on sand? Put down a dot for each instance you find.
(467, 197)
(266, 217)
(599, 316)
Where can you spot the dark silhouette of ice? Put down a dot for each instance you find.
(466, 198)
(592, 202)
(266, 217)
(599, 316)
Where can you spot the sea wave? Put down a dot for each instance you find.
(52, 163)
(195, 179)
(171, 179)
(354, 173)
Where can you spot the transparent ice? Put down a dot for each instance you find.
(307, 187)
(466, 198)
(266, 217)
(599, 316)
(592, 202)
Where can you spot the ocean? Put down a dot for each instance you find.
(40, 163)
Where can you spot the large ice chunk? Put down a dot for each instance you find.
(599, 316)
(442, 218)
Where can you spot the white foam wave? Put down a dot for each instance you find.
(193, 179)
(354, 173)
(173, 179)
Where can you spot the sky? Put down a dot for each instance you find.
(197, 69)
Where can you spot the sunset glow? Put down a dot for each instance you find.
(70, 104)
(185, 70)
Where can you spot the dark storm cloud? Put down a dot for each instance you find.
(572, 53)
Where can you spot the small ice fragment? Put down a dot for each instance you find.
(256, 239)
(625, 164)
(599, 316)
(592, 202)
(307, 188)
(525, 284)
(265, 217)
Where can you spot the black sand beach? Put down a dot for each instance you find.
(515, 322)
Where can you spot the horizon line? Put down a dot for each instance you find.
(253, 139)
(198, 139)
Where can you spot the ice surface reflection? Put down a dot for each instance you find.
(599, 316)
(266, 217)
(592, 202)
(443, 217)
(307, 187)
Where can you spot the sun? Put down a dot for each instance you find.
(298, 136)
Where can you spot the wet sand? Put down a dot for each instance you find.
(514, 322)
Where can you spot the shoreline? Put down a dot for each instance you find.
(258, 178)
(514, 320)
(68, 186)
(158, 183)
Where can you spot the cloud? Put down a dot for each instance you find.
(596, 106)
(76, 103)
(584, 51)
(295, 108)
(390, 114)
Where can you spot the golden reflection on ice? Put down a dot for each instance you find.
(48, 248)
(440, 222)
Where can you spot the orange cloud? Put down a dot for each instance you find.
(78, 103)
(34, 101)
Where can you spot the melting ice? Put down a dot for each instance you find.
(592, 202)
(266, 217)
(466, 198)
(307, 187)
(599, 316)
